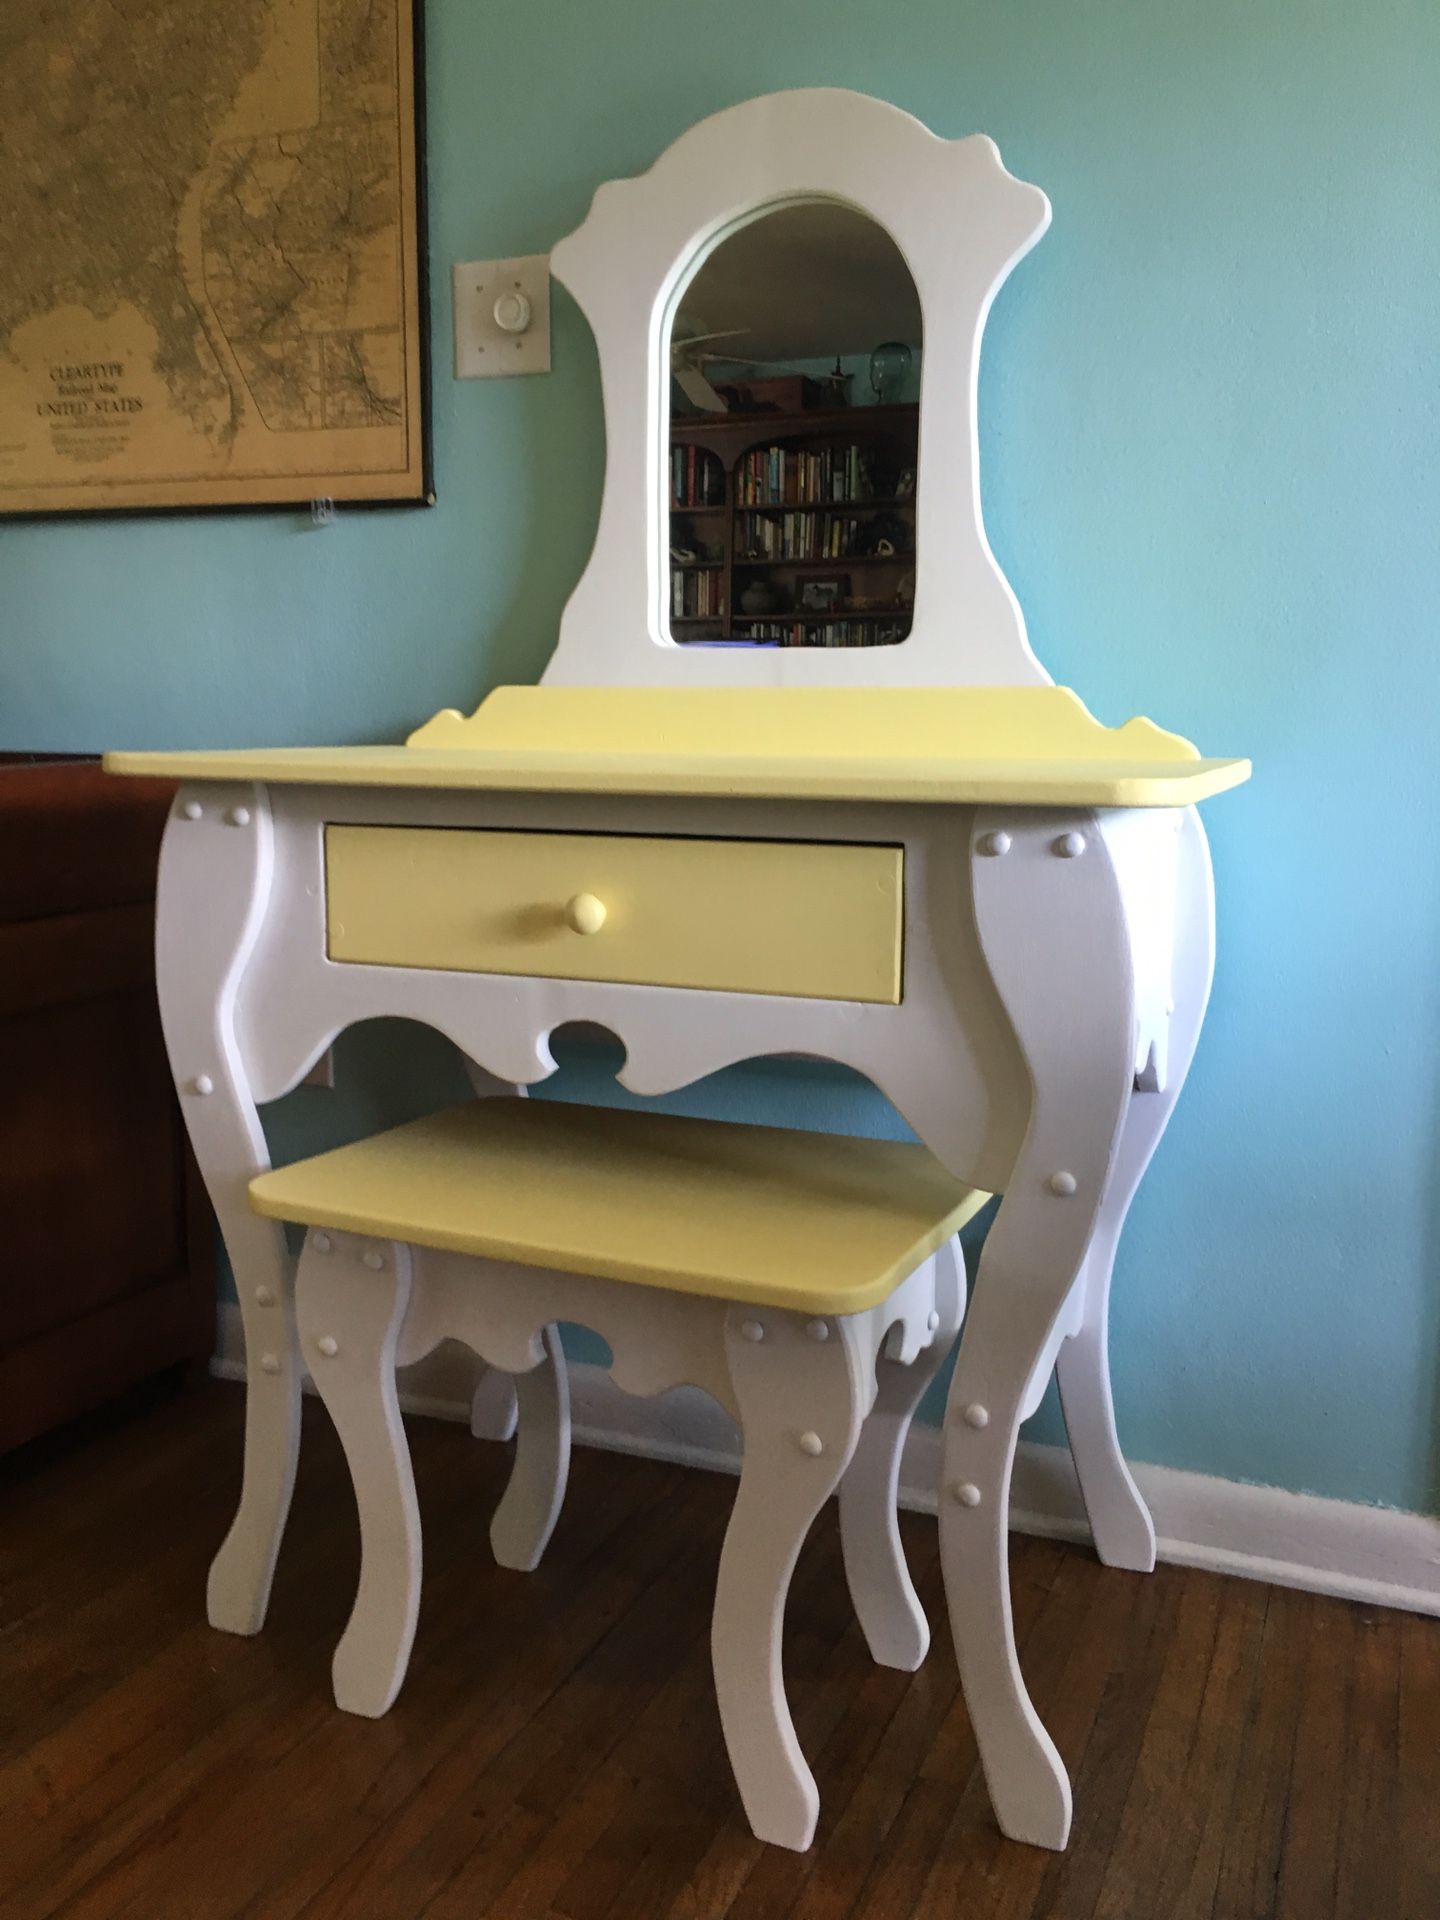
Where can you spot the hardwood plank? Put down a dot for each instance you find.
(435, 1850)
(819, 1627)
(245, 1687)
(1250, 1865)
(1199, 1838)
(1071, 1659)
(311, 1592)
(895, 1882)
(1309, 1859)
(1043, 1579)
(1070, 1883)
(110, 1595)
(860, 1835)
(150, 1727)
(629, 1838)
(1416, 1844)
(456, 1713)
(824, 1656)
(1142, 1844)
(1239, 1753)
(874, 1863)
(667, 1789)
(1367, 1878)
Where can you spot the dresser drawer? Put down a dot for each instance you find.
(814, 919)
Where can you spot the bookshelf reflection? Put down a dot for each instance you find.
(795, 356)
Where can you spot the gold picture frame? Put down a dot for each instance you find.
(213, 294)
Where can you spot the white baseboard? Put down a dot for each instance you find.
(1371, 1554)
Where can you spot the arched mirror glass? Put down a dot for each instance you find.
(793, 432)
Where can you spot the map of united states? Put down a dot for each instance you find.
(225, 175)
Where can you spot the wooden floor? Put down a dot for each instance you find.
(1237, 1750)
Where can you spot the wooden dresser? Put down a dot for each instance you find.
(109, 1268)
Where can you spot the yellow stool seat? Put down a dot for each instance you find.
(814, 1223)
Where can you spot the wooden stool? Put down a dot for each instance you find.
(811, 1284)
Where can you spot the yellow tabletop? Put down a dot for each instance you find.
(1027, 746)
(816, 1223)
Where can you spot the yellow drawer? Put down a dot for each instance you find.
(817, 920)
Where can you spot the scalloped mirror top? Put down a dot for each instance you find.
(765, 299)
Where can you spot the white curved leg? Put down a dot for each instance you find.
(1120, 1521)
(349, 1314)
(801, 1402)
(493, 1406)
(1054, 937)
(216, 865)
(886, 1604)
(530, 1505)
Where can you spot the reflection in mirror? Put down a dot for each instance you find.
(794, 416)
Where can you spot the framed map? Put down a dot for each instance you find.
(211, 255)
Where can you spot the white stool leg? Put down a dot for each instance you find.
(350, 1309)
(891, 1617)
(493, 1407)
(530, 1505)
(801, 1402)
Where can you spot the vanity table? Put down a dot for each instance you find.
(923, 861)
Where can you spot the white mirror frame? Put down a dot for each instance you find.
(961, 222)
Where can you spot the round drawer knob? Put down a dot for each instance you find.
(585, 913)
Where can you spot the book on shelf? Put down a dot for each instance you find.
(804, 533)
(697, 478)
(829, 633)
(818, 495)
(785, 476)
(696, 593)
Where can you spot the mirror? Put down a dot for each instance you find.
(793, 433)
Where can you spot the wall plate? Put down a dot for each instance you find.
(502, 316)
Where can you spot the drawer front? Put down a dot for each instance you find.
(814, 919)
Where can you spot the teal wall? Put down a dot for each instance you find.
(1212, 474)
